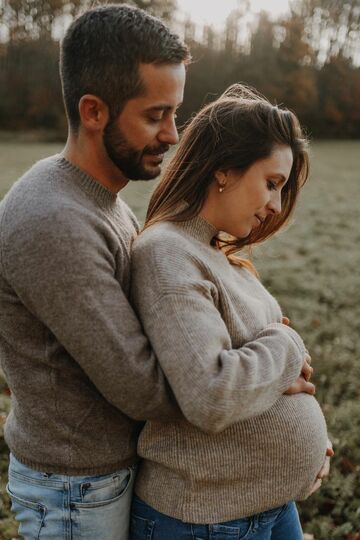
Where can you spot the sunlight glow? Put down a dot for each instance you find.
(214, 12)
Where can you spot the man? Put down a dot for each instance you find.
(71, 347)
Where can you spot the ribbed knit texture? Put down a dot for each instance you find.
(71, 347)
(244, 447)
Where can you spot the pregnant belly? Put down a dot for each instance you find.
(284, 445)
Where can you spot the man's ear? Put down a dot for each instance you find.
(94, 113)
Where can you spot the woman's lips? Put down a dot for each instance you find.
(260, 220)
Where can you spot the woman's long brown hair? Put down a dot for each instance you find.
(232, 132)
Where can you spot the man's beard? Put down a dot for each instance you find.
(127, 158)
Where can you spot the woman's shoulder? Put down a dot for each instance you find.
(163, 229)
(163, 248)
(162, 237)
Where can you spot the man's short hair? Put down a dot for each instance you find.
(101, 53)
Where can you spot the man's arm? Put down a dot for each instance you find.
(63, 271)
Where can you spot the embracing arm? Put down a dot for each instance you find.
(214, 384)
(64, 273)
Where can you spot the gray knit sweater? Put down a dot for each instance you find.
(244, 446)
(71, 347)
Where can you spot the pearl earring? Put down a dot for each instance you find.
(221, 189)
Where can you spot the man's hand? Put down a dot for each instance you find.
(325, 469)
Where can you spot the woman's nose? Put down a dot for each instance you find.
(275, 203)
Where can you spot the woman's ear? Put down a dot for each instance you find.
(221, 179)
(221, 176)
(94, 113)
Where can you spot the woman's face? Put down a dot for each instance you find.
(247, 199)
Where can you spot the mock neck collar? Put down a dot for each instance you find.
(87, 182)
(199, 228)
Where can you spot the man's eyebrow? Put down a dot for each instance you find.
(163, 107)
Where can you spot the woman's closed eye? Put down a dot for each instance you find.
(272, 186)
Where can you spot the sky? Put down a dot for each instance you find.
(214, 12)
(209, 12)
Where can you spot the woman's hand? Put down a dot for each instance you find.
(307, 370)
(302, 383)
(325, 469)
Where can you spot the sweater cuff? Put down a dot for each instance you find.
(292, 334)
(295, 353)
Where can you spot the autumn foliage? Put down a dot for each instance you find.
(309, 60)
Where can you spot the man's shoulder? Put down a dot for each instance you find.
(44, 194)
(125, 209)
(41, 169)
(34, 187)
(39, 208)
(51, 204)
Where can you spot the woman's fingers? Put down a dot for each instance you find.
(325, 469)
(316, 486)
(307, 371)
(301, 385)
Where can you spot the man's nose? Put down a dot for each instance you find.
(169, 133)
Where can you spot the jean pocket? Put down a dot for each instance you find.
(102, 491)
(238, 530)
(141, 528)
(29, 514)
(18, 472)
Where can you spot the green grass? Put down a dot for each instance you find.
(313, 270)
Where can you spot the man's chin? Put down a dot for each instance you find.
(146, 169)
(148, 173)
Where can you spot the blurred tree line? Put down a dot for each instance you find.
(308, 60)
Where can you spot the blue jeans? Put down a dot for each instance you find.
(59, 507)
(277, 524)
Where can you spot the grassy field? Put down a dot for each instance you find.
(313, 270)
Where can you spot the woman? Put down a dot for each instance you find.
(253, 437)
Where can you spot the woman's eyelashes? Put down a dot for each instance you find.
(272, 186)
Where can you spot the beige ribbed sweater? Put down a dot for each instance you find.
(243, 446)
(71, 347)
